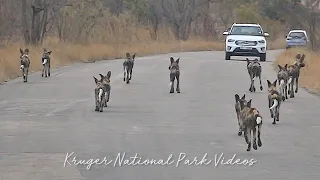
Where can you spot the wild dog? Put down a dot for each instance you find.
(24, 63)
(294, 73)
(128, 67)
(46, 62)
(283, 78)
(99, 93)
(274, 99)
(251, 120)
(106, 82)
(254, 70)
(174, 74)
(237, 105)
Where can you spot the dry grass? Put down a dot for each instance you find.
(310, 74)
(64, 54)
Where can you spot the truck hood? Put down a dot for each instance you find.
(246, 38)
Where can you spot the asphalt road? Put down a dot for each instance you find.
(43, 120)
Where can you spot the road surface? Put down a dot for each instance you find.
(43, 120)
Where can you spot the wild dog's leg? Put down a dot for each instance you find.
(274, 115)
(297, 84)
(249, 138)
(42, 70)
(277, 112)
(105, 104)
(240, 130)
(261, 88)
(49, 69)
(108, 97)
(172, 77)
(259, 133)
(46, 70)
(254, 134)
(270, 104)
(291, 88)
(131, 72)
(128, 72)
(251, 83)
(96, 95)
(286, 91)
(27, 72)
(246, 135)
(178, 82)
(124, 72)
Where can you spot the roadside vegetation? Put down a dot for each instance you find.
(91, 30)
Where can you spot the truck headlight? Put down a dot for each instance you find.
(262, 41)
(230, 40)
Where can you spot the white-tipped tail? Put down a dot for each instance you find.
(275, 104)
(290, 80)
(259, 120)
(21, 67)
(282, 82)
(100, 94)
(170, 83)
(44, 61)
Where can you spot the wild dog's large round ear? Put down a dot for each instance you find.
(127, 55)
(269, 83)
(177, 61)
(171, 60)
(275, 82)
(298, 56)
(109, 74)
(243, 97)
(95, 79)
(302, 57)
(101, 76)
(249, 103)
(279, 67)
(49, 52)
(286, 66)
(237, 97)
(134, 55)
(21, 51)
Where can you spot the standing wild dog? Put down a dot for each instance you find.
(274, 99)
(105, 80)
(24, 64)
(283, 78)
(254, 70)
(251, 120)
(99, 93)
(174, 74)
(294, 73)
(128, 67)
(238, 108)
(46, 62)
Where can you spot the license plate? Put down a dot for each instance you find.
(246, 48)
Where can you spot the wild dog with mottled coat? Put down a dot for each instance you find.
(254, 70)
(174, 74)
(128, 67)
(283, 79)
(46, 63)
(274, 99)
(251, 122)
(99, 93)
(106, 82)
(238, 109)
(24, 64)
(294, 73)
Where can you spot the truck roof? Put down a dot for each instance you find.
(243, 24)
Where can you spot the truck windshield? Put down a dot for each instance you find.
(246, 30)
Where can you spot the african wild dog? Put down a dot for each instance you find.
(237, 105)
(274, 99)
(107, 86)
(128, 67)
(99, 93)
(294, 73)
(254, 70)
(24, 64)
(174, 74)
(46, 62)
(283, 78)
(251, 120)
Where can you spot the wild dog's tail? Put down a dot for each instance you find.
(282, 82)
(21, 67)
(259, 120)
(275, 104)
(290, 80)
(170, 83)
(45, 60)
(100, 94)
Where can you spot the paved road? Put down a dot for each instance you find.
(43, 120)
